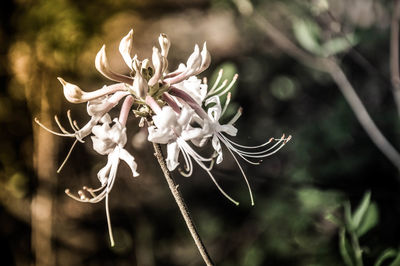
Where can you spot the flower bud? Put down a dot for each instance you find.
(72, 92)
(140, 87)
(126, 48)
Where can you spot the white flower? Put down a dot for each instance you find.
(168, 127)
(194, 87)
(108, 141)
(175, 130)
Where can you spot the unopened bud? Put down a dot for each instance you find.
(72, 92)
(140, 87)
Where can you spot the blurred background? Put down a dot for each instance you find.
(299, 192)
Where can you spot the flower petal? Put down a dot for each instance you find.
(130, 161)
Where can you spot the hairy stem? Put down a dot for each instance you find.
(182, 206)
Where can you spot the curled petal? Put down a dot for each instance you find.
(194, 60)
(130, 161)
(104, 172)
(173, 155)
(217, 147)
(103, 67)
(158, 65)
(126, 48)
(205, 59)
(164, 44)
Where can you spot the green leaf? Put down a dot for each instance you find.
(396, 261)
(308, 34)
(359, 213)
(386, 254)
(338, 45)
(344, 247)
(371, 219)
(347, 217)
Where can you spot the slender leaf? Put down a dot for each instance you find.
(359, 213)
(386, 254)
(371, 219)
(396, 261)
(307, 34)
(344, 247)
(347, 217)
(338, 45)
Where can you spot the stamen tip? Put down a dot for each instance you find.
(67, 191)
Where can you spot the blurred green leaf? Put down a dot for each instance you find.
(386, 254)
(308, 34)
(370, 220)
(347, 217)
(361, 210)
(396, 261)
(338, 45)
(344, 247)
(283, 88)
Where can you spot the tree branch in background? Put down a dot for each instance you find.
(394, 53)
(331, 67)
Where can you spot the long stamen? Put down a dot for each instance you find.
(220, 72)
(63, 130)
(67, 157)
(185, 147)
(236, 116)
(228, 100)
(244, 176)
(109, 222)
(235, 77)
(71, 123)
(251, 147)
(51, 131)
(223, 84)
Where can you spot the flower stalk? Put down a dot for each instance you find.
(181, 205)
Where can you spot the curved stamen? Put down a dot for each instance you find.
(220, 72)
(51, 131)
(67, 157)
(235, 77)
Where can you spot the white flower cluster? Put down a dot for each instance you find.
(178, 108)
